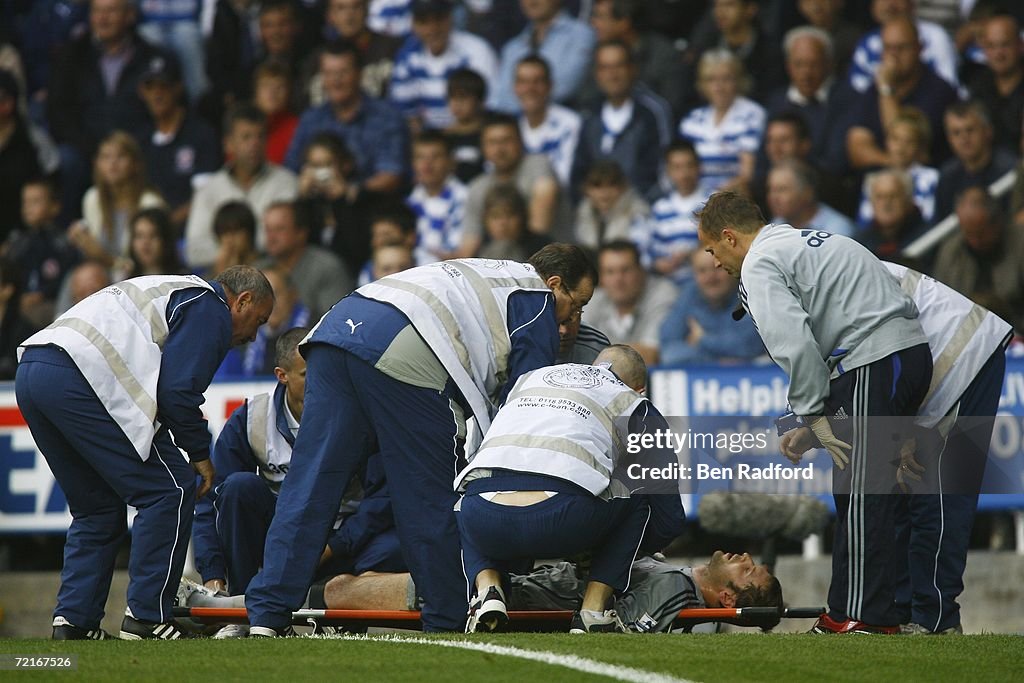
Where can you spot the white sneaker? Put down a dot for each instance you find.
(487, 613)
(585, 621)
(232, 631)
(189, 591)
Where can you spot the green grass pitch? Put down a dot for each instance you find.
(724, 657)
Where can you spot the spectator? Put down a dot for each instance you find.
(320, 276)
(673, 228)
(174, 26)
(93, 89)
(87, 278)
(280, 28)
(727, 132)
(975, 160)
(272, 89)
(153, 246)
(256, 359)
(19, 158)
(391, 259)
(428, 58)
(902, 79)
(119, 190)
(14, 327)
(549, 210)
(565, 43)
(812, 91)
(907, 140)
(467, 92)
(505, 222)
(547, 128)
(630, 126)
(700, 328)
(42, 250)
(630, 305)
(391, 17)
(985, 258)
(232, 52)
(438, 200)
(1000, 83)
(346, 20)
(373, 130)
(611, 209)
(180, 149)
(937, 51)
(338, 217)
(234, 224)
(896, 219)
(395, 226)
(735, 29)
(793, 199)
(247, 176)
(827, 15)
(659, 65)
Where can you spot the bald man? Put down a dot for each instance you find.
(545, 483)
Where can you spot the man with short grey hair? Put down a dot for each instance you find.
(793, 199)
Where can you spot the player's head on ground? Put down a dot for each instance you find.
(727, 225)
(626, 364)
(290, 367)
(734, 580)
(569, 274)
(250, 299)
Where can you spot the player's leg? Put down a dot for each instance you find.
(99, 518)
(370, 590)
(244, 511)
(333, 440)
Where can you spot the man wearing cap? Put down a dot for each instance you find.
(179, 148)
(429, 56)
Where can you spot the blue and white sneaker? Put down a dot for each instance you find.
(488, 613)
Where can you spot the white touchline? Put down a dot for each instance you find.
(619, 673)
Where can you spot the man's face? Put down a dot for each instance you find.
(621, 277)
(820, 13)
(738, 570)
(348, 17)
(604, 23)
(568, 330)
(431, 163)
(569, 303)
(390, 260)
(500, 146)
(37, 206)
(433, 32)
(727, 252)
(731, 14)
(603, 195)
(901, 51)
(282, 237)
(613, 71)
(1000, 40)
(503, 224)
(719, 85)
(540, 10)
(271, 94)
(979, 231)
(386, 232)
(278, 30)
(889, 202)
(714, 284)
(532, 87)
(969, 137)
(807, 65)
(887, 10)
(294, 379)
(247, 317)
(340, 77)
(246, 144)
(785, 196)
(782, 142)
(160, 96)
(463, 107)
(683, 170)
(901, 143)
(110, 20)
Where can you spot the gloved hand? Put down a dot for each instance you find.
(829, 441)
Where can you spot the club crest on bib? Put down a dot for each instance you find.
(574, 377)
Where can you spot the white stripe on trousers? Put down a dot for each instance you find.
(177, 531)
(855, 512)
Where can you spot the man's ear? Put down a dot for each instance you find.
(281, 375)
(554, 282)
(726, 598)
(243, 300)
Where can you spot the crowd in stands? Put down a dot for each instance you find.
(332, 142)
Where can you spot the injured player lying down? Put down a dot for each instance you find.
(657, 590)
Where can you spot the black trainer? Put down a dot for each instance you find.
(269, 632)
(65, 630)
(135, 629)
(487, 613)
